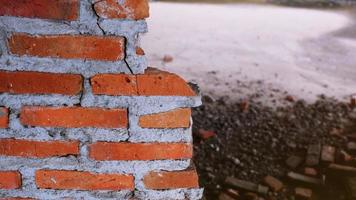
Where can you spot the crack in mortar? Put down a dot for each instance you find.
(104, 33)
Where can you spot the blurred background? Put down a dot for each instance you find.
(278, 80)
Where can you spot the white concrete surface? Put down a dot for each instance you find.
(301, 51)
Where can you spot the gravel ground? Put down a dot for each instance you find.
(253, 140)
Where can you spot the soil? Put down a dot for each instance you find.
(253, 140)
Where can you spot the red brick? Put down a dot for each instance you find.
(74, 117)
(140, 51)
(114, 84)
(39, 149)
(171, 180)
(10, 180)
(160, 83)
(68, 46)
(152, 83)
(178, 118)
(4, 117)
(130, 9)
(57, 179)
(45, 9)
(40, 83)
(140, 151)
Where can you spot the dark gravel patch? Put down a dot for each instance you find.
(253, 140)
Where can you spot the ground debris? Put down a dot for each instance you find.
(294, 161)
(275, 184)
(245, 185)
(259, 141)
(305, 179)
(313, 155)
(303, 193)
(328, 153)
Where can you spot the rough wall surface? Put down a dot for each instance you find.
(81, 115)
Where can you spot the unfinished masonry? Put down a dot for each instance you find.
(81, 115)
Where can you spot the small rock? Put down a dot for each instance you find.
(303, 178)
(245, 185)
(167, 58)
(290, 98)
(336, 132)
(351, 146)
(313, 155)
(328, 154)
(303, 193)
(233, 193)
(310, 171)
(273, 183)
(345, 156)
(251, 196)
(244, 105)
(294, 161)
(236, 161)
(204, 134)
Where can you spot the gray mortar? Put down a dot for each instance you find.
(88, 23)
(28, 166)
(191, 194)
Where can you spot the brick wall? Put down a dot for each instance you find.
(81, 115)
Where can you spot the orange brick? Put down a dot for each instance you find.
(160, 83)
(68, 46)
(74, 117)
(140, 151)
(152, 83)
(130, 9)
(10, 180)
(4, 117)
(140, 51)
(178, 118)
(39, 149)
(171, 180)
(57, 179)
(40, 83)
(114, 84)
(45, 9)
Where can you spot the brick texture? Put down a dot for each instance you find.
(68, 46)
(38, 149)
(114, 84)
(178, 118)
(40, 83)
(46, 9)
(140, 51)
(152, 83)
(56, 179)
(10, 180)
(171, 180)
(130, 9)
(4, 117)
(139, 151)
(74, 117)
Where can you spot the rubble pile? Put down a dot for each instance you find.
(245, 150)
